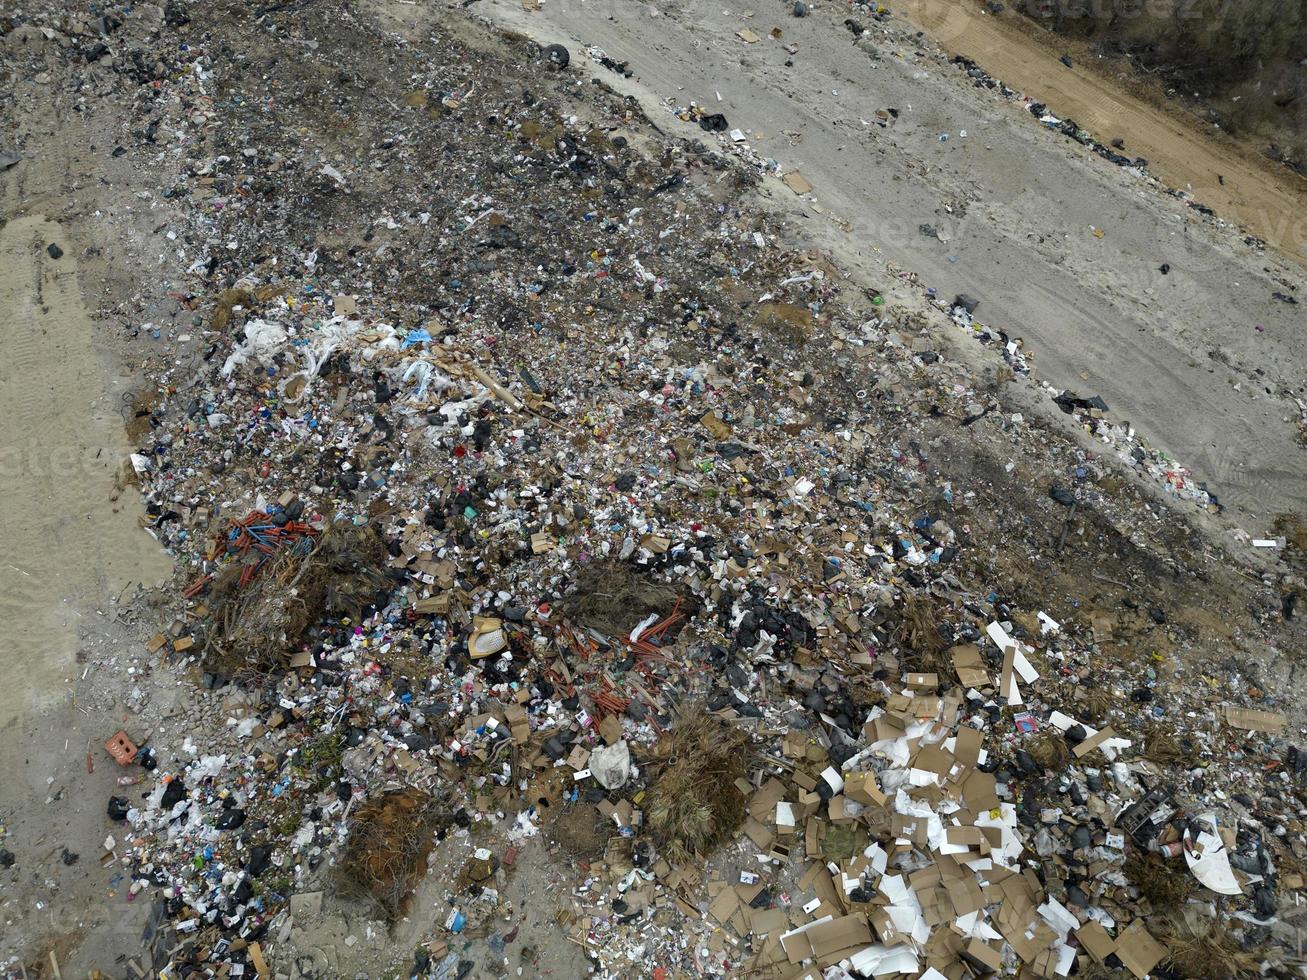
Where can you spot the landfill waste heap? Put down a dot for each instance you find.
(515, 464)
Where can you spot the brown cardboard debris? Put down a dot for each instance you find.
(1251, 720)
(760, 835)
(982, 955)
(1093, 742)
(969, 665)
(861, 787)
(611, 730)
(768, 921)
(260, 964)
(967, 747)
(798, 183)
(1138, 950)
(487, 637)
(715, 426)
(762, 805)
(578, 758)
(825, 939)
(748, 36)
(1007, 683)
(1094, 938)
(725, 905)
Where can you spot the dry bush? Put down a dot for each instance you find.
(693, 804)
(1050, 750)
(1161, 743)
(1202, 949)
(1243, 59)
(386, 852)
(612, 597)
(1101, 971)
(258, 624)
(1166, 884)
(916, 630)
(1098, 701)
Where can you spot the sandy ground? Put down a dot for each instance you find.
(75, 558)
(70, 539)
(1179, 355)
(77, 573)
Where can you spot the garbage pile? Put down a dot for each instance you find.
(511, 471)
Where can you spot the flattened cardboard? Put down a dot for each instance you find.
(768, 922)
(979, 790)
(1250, 720)
(969, 666)
(824, 939)
(982, 956)
(762, 805)
(611, 730)
(724, 905)
(1093, 742)
(760, 835)
(967, 746)
(1138, 950)
(1094, 938)
(798, 183)
(1007, 683)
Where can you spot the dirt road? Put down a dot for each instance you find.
(1267, 199)
(1062, 248)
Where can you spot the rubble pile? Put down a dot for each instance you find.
(513, 468)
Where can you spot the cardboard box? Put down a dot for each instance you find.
(864, 788)
(823, 939)
(969, 666)
(982, 956)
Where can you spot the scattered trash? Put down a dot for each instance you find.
(574, 496)
(557, 55)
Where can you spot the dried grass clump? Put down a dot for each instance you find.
(1161, 743)
(1203, 949)
(1097, 702)
(916, 630)
(1166, 885)
(1294, 530)
(1050, 750)
(693, 804)
(1101, 971)
(386, 852)
(612, 597)
(258, 624)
